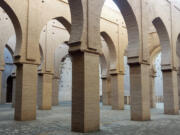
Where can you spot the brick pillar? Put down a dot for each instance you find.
(14, 91)
(106, 96)
(1, 72)
(55, 91)
(178, 76)
(152, 90)
(26, 87)
(117, 86)
(45, 91)
(110, 90)
(139, 85)
(170, 91)
(127, 100)
(85, 92)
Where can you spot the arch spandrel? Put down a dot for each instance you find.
(53, 33)
(53, 10)
(36, 20)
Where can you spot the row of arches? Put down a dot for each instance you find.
(85, 55)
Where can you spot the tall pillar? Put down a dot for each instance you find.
(55, 91)
(117, 86)
(45, 91)
(170, 91)
(25, 97)
(139, 91)
(14, 91)
(106, 96)
(109, 89)
(178, 76)
(1, 72)
(152, 90)
(85, 92)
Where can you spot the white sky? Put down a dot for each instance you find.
(111, 4)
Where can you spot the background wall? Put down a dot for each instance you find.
(65, 84)
(6, 73)
(126, 78)
(159, 78)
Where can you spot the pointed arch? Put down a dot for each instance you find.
(104, 65)
(16, 25)
(10, 50)
(65, 23)
(76, 9)
(164, 41)
(112, 50)
(41, 54)
(178, 46)
(132, 27)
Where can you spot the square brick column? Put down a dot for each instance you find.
(26, 88)
(127, 100)
(170, 91)
(45, 91)
(106, 96)
(109, 90)
(1, 72)
(85, 92)
(139, 91)
(14, 91)
(117, 86)
(55, 91)
(152, 91)
(178, 81)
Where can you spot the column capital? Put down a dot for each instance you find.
(18, 62)
(136, 61)
(13, 75)
(116, 72)
(2, 67)
(75, 47)
(42, 73)
(153, 75)
(104, 77)
(56, 77)
(168, 67)
(113, 72)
